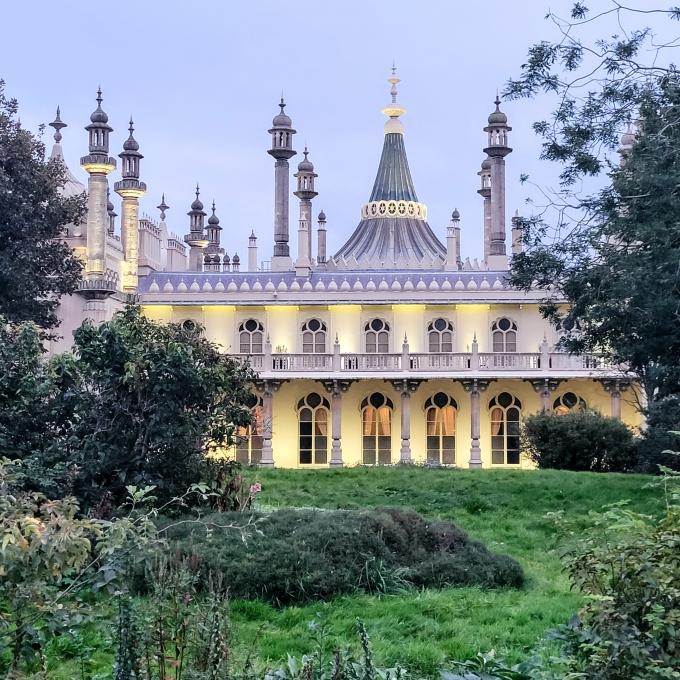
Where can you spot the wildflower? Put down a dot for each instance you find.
(255, 488)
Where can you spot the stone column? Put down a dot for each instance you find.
(497, 235)
(130, 232)
(336, 432)
(616, 400)
(475, 449)
(405, 453)
(267, 459)
(97, 219)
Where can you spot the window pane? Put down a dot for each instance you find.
(383, 342)
(320, 343)
(511, 341)
(433, 450)
(431, 421)
(498, 345)
(513, 457)
(305, 456)
(448, 420)
(255, 449)
(321, 422)
(369, 451)
(370, 343)
(384, 421)
(320, 449)
(244, 343)
(497, 457)
(448, 450)
(434, 342)
(384, 450)
(369, 416)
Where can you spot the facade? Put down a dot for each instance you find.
(393, 349)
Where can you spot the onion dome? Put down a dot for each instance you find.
(99, 115)
(486, 164)
(497, 117)
(197, 204)
(322, 216)
(213, 220)
(207, 259)
(236, 259)
(455, 215)
(226, 260)
(281, 119)
(109, 205)
(306, 165)
(130, 143)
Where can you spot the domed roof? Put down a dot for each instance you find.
(281, 119)
(197, 205)
(213, 219)
(99, 115)
(131, 143)
(455, 215)
(306, 165)
(322, 216)
(236, 259)
(497, 117)
(486, 164)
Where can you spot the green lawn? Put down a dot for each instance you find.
(504, 509)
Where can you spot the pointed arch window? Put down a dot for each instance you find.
(505, 412)
(377, 335)
(376, 428)
(248, 449)
(569, 402)
(251, 337)
(440, 417)
(314, 337)
(313, 411)
(440, 336)
(504, 335)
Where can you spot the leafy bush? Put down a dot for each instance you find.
(660, 437)
(579, 441)
(299, 555)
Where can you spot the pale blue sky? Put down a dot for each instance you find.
(202, 80)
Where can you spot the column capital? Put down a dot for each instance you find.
(613, 385)
(336, 386)
(476, 384)
(268, 387)
(405, 385)
(541, 385)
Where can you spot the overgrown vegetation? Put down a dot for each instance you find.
(579, 440)
(137, 403)
(294, 556)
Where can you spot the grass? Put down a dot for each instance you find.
(504, 509)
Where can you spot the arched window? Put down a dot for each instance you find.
(568, 402)
(505, 411)
(377, 334)
(249, 439)
(313, 413)
(376, 428)
(189, 325)
(440, 417)
(314, 337)
(504, 335)
(440, 336)
(251, 337)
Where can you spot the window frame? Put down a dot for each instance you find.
(318, 455)
(258, 330)
(513, 329)
(380, 347)
(381, 449)
(442, 451)
(496, 405)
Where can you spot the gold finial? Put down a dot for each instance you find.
(394, 110)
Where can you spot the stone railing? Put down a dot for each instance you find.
(336, 362)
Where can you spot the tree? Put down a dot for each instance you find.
(607, 257)
(36, 267)
(148, 401)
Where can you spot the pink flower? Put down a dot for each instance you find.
(255, 488)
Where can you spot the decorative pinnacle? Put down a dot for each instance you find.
(198, 191)
(162, 206)
(58, 124)
(394, 110)
(282, 103)
(132, 127)
(497, 102)
(213, 206)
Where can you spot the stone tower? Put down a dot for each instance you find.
(130, 189)
(305, 192)
(196, 239)
(485, 192)
(282, 150)
(497, 150)
(98, 164)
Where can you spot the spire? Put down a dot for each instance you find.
(162, 206)
(99, 128)
(130, 155)
(58, 125)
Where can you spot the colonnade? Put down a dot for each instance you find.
(406, 387)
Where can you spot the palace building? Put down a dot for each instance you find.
(393, 349)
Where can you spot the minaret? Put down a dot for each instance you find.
(485, 192)
(453, 261)
(213, 232)
(497, 150)
(98, 164)
(162, 207)
(130, 189)
(321, 242)
(305, 192)
(252, 252)
(112, 213)
(196, 239)
(517, 234)
(282, 150)
(58, 125)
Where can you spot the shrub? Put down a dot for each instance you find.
(660, 436)
(579, 441)
(300, 555)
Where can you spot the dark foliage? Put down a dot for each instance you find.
(579, 441)
(660, 437)
(300, 555)
(36, 268)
